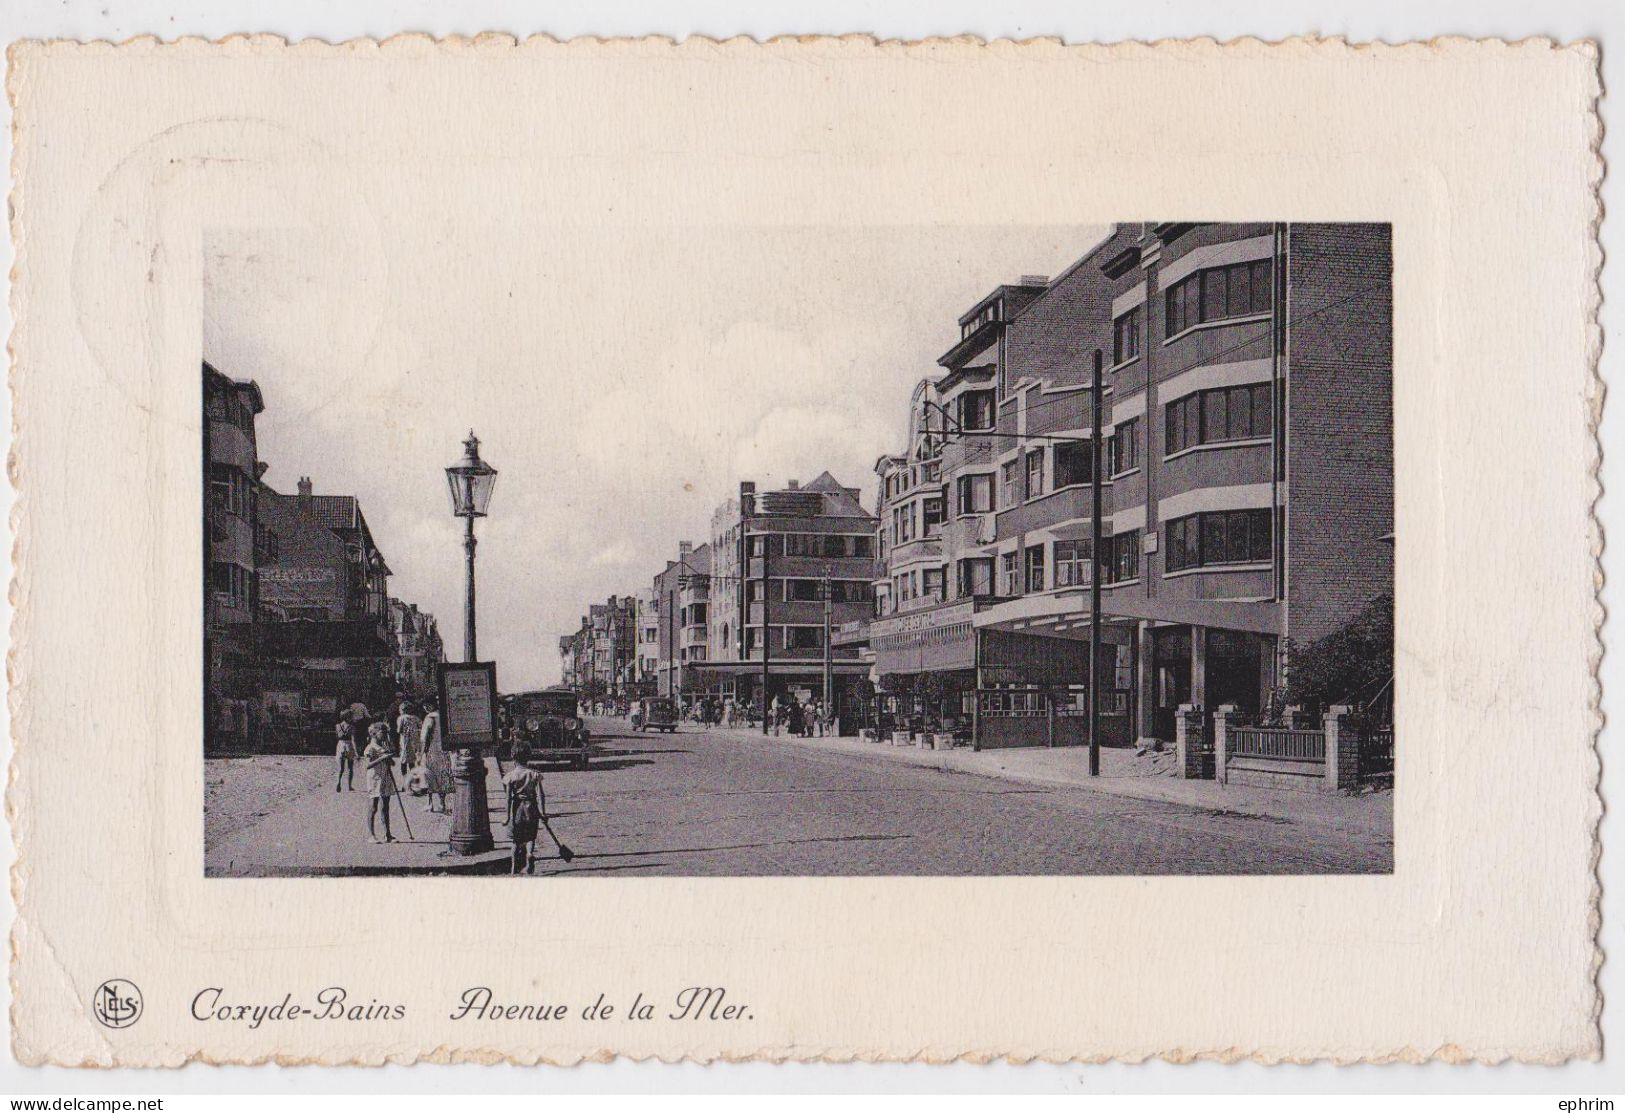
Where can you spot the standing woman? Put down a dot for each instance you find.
(436, 762)
(379, 759)
(409, 733)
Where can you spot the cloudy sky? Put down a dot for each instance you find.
(622, 380)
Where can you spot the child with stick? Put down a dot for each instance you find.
(379, 758)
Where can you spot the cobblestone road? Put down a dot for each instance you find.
(696, 803)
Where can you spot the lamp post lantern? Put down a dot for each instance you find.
(471, 480)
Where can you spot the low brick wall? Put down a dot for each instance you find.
(1326, 760)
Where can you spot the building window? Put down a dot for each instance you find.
(1072, 563)
(804, 637)
(1010, 573)
(976, 410)
(1232, 413)
(933, 582)
(229, 583)
(933, 510)
(1218, 537)
(1074, 463)
(840, 591)
(1238, 290)
(1035, 474)
(975, 577)
(975, 494)
(1035, 568)
(988, 314)
(1120, 557)
(1010, 477)
(1123, 447)
(1126, 336)
(228, 489)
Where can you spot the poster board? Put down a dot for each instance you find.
(468, 702)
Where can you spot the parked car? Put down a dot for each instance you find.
(547, 726)
(655, 714)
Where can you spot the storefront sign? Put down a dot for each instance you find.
(468, 701)
(284, 586)
(936, 640)
(933, 619)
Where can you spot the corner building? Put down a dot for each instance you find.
(788, 548)
(1247, 481)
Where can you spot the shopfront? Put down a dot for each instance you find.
(926, 662)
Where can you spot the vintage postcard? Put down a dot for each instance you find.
(822, 549)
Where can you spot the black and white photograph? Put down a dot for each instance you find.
(806, 552)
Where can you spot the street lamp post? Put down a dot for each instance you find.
(471, 480)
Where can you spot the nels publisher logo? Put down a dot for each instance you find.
(117, 1003)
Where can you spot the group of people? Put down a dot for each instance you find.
(807, 718)
(409, 740)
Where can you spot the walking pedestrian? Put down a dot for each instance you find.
(525, 805)
(345, 752)
(409, 737)
(379, 759)
(436, 762)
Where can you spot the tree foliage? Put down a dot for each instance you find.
(1352, 665)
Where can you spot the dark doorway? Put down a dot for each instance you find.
(1170, 677)
(1234, 670)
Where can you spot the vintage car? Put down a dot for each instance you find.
(655, 714)
(547, 726)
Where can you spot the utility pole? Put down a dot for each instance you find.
(1094, 578)
(829, 664)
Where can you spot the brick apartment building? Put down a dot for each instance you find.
(297, 613)
(804, 540)
(648, 653)
(418, 648)
(601, 658)
(231, 594)
(683, 593)
(1247, 482)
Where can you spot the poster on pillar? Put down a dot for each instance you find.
(468, 698)
(925, 518)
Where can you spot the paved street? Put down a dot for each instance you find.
(733, 804)
(727, 804)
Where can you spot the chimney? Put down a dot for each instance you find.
(795, 484)
(684, 548)
(1034, 280)
(304, 494)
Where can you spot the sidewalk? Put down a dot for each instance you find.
(1123, 772)
(323, 833)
